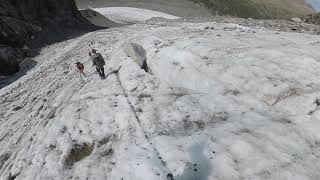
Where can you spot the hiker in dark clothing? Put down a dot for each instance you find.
(98, 62)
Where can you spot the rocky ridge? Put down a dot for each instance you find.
(22, 22)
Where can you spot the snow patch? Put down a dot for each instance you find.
(129, 15)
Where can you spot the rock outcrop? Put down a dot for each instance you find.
(23, 21)
(9, 60)
(312, 19)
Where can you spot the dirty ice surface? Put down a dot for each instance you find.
(130, 15)
(221, 102)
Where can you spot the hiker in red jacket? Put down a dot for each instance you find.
(80, 68)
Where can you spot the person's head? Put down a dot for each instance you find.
(77, 63)
(94, 51)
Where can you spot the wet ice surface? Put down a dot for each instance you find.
(221, 102)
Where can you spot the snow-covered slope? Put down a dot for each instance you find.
(223, 102)
(130, 15)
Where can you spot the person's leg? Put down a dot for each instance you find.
(102, 73)
(99, 72)
(83, 73)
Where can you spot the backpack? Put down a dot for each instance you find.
(80, 66)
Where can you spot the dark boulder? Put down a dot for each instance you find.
(9, 60)
(8, 66)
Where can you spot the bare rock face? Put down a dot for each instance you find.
(22, 20)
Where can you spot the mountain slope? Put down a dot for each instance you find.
(221, 101)
(259, 8)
